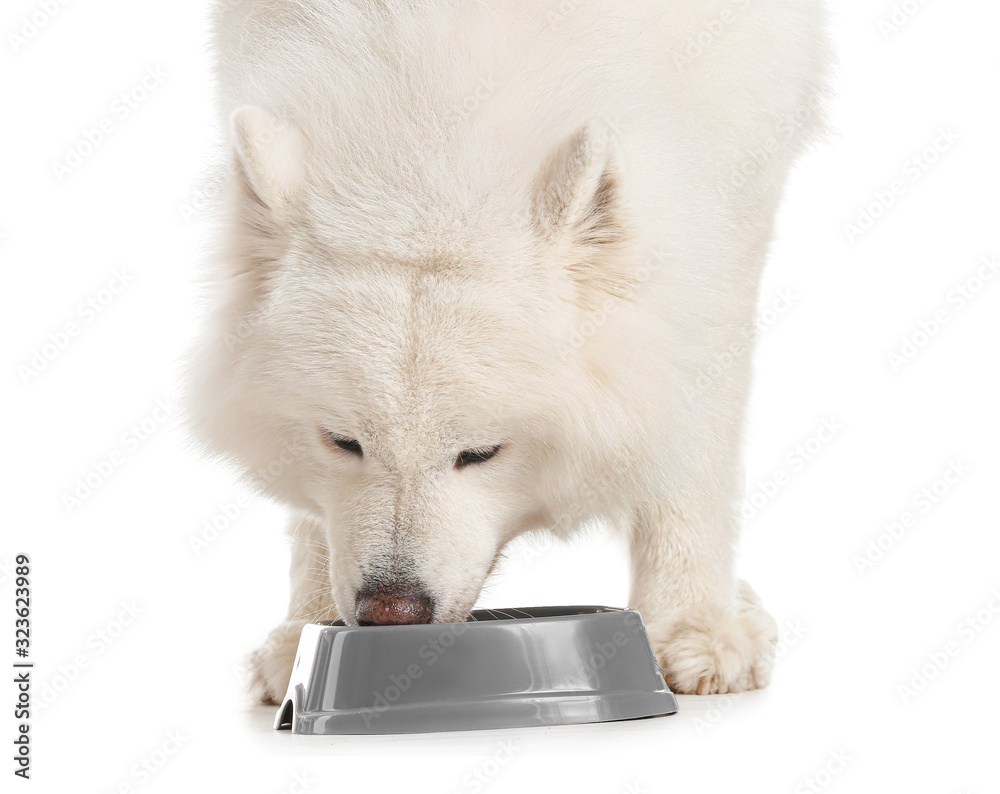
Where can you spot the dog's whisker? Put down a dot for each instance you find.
(299, 616)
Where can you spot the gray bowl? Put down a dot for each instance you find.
(509, 668)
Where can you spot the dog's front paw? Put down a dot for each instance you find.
(271, 664)
(710, 649)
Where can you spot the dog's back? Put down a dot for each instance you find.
(448, 100)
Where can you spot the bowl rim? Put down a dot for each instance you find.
(494, 615)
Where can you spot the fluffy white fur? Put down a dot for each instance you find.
(456, 223)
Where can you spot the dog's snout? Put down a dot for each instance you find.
(394, 604)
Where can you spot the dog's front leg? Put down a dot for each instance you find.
(311, 601)
(708, 629)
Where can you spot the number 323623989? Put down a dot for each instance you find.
(22, 606)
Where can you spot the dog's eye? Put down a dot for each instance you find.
(470, 456)
(342, 442)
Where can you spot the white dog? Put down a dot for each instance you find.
(489, 267)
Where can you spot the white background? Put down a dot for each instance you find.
(118, 687)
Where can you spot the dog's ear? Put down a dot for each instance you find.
(577, 208)
(270, 151)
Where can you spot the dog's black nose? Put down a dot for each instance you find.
(393, 604)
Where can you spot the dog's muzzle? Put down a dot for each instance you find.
(394, 604)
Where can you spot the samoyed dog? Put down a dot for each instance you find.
(490, 267)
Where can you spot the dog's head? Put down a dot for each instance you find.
(396, 359)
